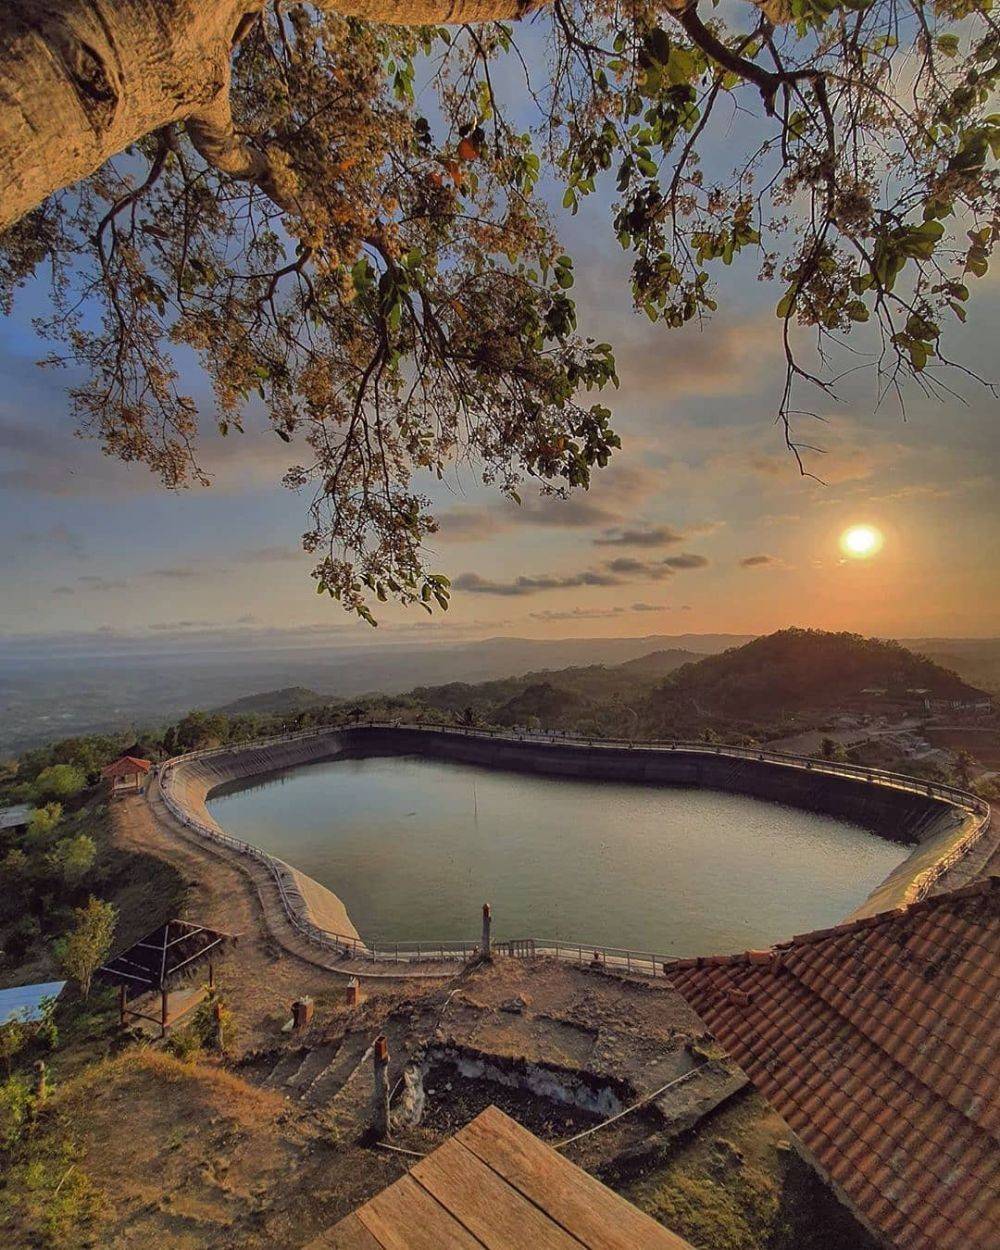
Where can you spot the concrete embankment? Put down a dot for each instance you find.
(933, 826)
(192, 781)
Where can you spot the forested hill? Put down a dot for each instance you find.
(554, 694)
(800, 668)
(284, 702)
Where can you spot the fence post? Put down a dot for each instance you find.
(487, 923)
(380, 1096)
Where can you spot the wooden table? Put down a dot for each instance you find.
(496, 1185)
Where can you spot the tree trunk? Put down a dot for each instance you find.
(80, 80)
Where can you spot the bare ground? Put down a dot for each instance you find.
(259, 977)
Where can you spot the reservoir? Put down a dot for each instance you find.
(414, 846)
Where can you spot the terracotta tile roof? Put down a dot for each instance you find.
(877, 1041)
(127, 766)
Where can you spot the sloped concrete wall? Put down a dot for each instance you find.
(932, 826)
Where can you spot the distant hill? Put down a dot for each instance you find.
(557, 697)
(796, 669)
(976, 660)
(288, 700)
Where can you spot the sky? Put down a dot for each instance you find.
(702, 522)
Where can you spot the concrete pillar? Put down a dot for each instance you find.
(486, 948)
(353, 994)
(302, 1012)
(380, 1095)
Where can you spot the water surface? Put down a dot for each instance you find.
(414, 846)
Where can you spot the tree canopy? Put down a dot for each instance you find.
(349, 221)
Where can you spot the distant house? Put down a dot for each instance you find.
(28, 1003)
(15, 818)
(979, 703)
(126, 775)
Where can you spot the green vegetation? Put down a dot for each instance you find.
(59, 781)
(737, 1185)
(797, 669)
(82, 951)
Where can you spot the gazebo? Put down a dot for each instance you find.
(126, 775)
(156, 964)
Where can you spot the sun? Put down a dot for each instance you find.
(861, 541)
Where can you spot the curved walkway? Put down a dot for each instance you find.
(307, 917)
(271, 901)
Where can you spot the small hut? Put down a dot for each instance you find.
(160, 963)
(126, 775)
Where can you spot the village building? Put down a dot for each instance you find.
(29, 1004)
(15, 819)
(126, 775)
(876, 1042)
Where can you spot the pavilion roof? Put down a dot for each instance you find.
(150, 963)
(876, 1041)
(126, 766)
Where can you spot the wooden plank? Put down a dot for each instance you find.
(490, 1208)
(406, 1217)
(596, 1215)
(348, 1234)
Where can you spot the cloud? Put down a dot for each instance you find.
(177, 573)
(686, 561)
(653, 536)
(468, 525)
(92, 582)
(267, 555)
(756, 562)
(473, 584)
(171, 625)
(58, 538)
(729, 357)
(630, 566)
(615, 493)
(576, 614)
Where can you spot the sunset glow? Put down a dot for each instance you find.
(861, 541)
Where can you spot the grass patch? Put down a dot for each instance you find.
(737, 1185)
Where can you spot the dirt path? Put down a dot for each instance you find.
(259, 979)
(271, 964)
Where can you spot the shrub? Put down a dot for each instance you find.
(59, 781)
(73, 858)
(43, 823)
(19, 936)
(15, 1109)
(13, 1039)
(203, 1023)
(82, 951)
(184, 1044)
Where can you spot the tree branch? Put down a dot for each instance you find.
(214, 136)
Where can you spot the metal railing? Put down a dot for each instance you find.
(582, 953)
